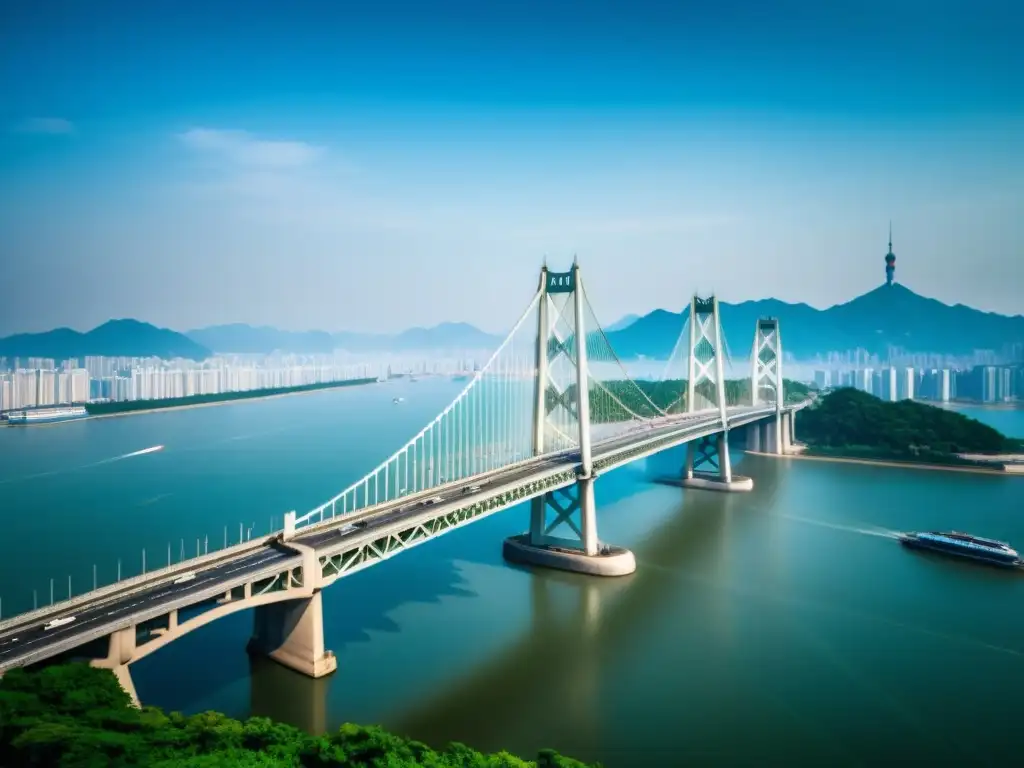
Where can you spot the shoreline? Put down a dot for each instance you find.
(891, 463)
(954, 404)
(186, 406)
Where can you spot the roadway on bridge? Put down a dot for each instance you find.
(111, 612)
(411, 506)
(20, 642)
(403, 509)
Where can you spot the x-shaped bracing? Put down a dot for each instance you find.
(704, 370)
(705, 455)
(564, 507)
(556, 508)
(554, 397)
(560, 398)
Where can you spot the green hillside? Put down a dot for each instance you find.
(855, 422)
(74, 716)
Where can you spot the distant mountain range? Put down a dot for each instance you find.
(888, 316)
(116, 338)
(622, 322)
(240, 339)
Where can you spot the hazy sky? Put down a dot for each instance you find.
(378, 165)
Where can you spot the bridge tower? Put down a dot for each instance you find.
(565, 347)
(707, 458)
(766, 385)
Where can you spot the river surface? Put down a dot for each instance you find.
(780, 627)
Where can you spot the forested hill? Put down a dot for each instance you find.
(74, 715)
(849, 418)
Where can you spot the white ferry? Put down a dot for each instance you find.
(46, 415)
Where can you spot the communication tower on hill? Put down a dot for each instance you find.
(890, 261)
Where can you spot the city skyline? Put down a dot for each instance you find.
(381, 169)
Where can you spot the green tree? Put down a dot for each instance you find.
(854, 421)
(74, 716)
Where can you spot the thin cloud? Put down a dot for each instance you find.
(49, 125)
(245, 149)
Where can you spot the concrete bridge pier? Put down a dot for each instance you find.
(754, 438)
(790, 445)
(775, 436)
(583, 552)
(708, 466)
(120, 652)
(292, 633)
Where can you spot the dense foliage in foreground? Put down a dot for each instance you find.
(851, 419)
(74, 716)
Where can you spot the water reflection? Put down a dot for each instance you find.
(552, 682)
(281, 694)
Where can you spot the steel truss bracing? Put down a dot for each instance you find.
(566, 519)
(362, 554)
(709, 456)
(705, 381)
(766, 383)
(766, 363)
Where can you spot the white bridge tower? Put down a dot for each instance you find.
(563, 522)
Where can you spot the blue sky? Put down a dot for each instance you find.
(380, 165)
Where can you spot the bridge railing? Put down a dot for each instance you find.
(141, 581)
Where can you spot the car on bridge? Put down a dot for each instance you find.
(58, 623)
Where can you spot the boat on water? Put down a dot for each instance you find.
(960, 544)
(46, 415)
(398, 400)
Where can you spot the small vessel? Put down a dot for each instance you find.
(398, 400)
(963, 545)
(46, 415)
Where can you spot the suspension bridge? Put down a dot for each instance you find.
(551, 410)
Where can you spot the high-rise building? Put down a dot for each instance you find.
(867, 380)
(908, 384)
(890, 385)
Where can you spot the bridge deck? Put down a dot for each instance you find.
(24, 640)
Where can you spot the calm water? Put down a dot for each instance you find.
(782, 626)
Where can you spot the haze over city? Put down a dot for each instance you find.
(389, 166)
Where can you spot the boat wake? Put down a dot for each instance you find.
(133, 454)
(52, 472)
(884, 533)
